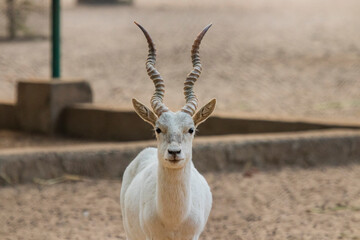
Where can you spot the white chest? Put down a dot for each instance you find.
(189, 229)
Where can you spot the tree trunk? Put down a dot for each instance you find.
(11, 15)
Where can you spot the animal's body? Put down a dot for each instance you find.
(163, 196)
(186, 192)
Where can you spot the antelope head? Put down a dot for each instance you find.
(174, 130)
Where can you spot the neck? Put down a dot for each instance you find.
(173, 194)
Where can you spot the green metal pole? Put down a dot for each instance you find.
(55, 38)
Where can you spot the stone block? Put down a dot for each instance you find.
(89, 121)
(8, 118)
(40, 103)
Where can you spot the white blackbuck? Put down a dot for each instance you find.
(163, 196)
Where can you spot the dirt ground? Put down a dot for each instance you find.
(290, 58)
(321, 204)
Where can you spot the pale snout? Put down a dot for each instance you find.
(174, 153)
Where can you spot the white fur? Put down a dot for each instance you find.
(163, 199)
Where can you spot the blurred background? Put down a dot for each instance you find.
(278, 57)
(282, 58)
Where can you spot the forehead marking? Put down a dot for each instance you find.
(175, 120)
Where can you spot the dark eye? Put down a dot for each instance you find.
(191, 130)
(158, 130)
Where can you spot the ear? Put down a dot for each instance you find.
(204, 112)
(145, 113)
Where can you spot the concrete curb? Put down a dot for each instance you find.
(95, 122)
(303, 149)
(98, 122)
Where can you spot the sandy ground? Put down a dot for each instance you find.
(290, 58)
(286, 204)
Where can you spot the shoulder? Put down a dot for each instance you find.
(145, 158)
(200, 180)
(148, 151)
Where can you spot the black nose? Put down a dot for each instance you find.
(174, 152)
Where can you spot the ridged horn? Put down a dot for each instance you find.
(191, 100)
(157, 99)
